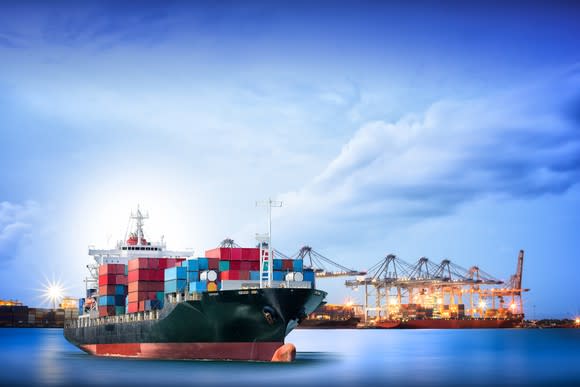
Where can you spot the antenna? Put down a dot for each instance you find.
(266, 255)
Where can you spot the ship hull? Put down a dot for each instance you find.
(350, 323)
(449, 324)
(226, 325)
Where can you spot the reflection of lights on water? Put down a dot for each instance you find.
(50, 370)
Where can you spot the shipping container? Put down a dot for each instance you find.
(192, 265)
(219, 253)
(235, 254)
(208, 275)
(192, 276)
(146, 286)
(224, 265)
(176, 273)
(297, 265)
(175, 286)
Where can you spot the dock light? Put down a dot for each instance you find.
(482, 304)
(513, 306)
(577, 321)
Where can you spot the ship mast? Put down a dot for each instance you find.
(266, 256)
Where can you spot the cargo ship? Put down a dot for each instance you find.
(468, 323)
(232, 304)
(330, 316)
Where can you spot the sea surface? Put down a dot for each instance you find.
(546, 357)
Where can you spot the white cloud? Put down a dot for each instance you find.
(524, 143)
(15, 226)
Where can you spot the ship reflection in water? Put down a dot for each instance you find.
(325, 357)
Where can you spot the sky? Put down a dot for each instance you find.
(444, 130)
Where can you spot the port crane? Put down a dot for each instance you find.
(440, 288)
(323, 267)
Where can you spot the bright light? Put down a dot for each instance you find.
(349, 302)
(482, 304)
(577, 321)
(513, 306)
(53, 292)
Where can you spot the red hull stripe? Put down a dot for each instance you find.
(216, 351)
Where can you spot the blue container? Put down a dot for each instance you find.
(192, 276)
(107, 300)
(297, 265)
(120, 290)
(203, 264)
(160, 295)
(254, 275)
(198, 286)
(278, 264)
(120, 300)
(309, 275)
(278, 275)
(192, 265)
(175, 286)
(81, 305)
(119, 310)
(175, 273)
(224, 265)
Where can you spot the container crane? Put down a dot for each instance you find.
(323, 266)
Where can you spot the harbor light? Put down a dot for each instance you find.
(577, 321)
(482, 304)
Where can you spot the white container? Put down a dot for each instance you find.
(295, 276)
(211, 275)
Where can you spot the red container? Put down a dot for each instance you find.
(219, 253)
(120, 279)
(213, 263)
(250, 254)
(255, 265)
(230, 275)
(235, 265)
(112, 268)
(245, 265)
(146, 286)
(138, 263)
(132, 307)
(288, 264)
(244, 275)
(107, 290)
(109, 279)
(236, 254)
(106, 311)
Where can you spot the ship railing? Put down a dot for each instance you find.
(125, 318)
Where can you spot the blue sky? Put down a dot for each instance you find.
(445, 130)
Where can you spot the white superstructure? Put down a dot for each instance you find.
(133, 246)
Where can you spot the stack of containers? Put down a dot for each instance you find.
(112, 289)
(204, 274)
(147, 283)
(175, 280)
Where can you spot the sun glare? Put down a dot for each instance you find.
(53, 292)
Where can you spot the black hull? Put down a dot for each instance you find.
(350, 323)
(231, 324)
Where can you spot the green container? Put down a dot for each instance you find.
(119, 310)
(224, 265)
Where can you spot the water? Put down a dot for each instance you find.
(325, 358)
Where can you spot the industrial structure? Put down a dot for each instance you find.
(444, 291)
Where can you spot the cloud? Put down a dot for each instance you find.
(519, 144)
(15, 227)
